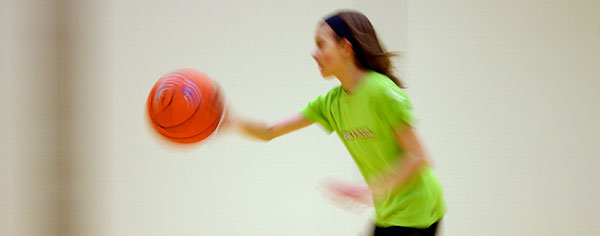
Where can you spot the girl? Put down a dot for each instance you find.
(373, 117)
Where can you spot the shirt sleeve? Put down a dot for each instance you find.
(395, 107)
(317, 111)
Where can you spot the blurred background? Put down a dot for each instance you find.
(506, 92)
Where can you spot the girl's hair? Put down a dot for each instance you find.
(375, 56)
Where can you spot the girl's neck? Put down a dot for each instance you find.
(350, 77)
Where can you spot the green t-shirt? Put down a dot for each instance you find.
(364, 121)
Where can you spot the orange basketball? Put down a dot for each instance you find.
(185, 106)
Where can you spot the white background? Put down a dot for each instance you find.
(506, 93)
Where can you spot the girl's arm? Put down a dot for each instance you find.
(401, 172)
(267, 131)
(395, 179)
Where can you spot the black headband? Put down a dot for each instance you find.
(342, 30)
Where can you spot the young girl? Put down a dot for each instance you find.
(373, 117)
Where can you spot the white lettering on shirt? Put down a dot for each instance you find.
(360, 133)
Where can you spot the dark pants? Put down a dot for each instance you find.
(405, 231)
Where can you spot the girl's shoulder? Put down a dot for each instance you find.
(382, 88)
(379, 84)
(330, 95)
(335, 91)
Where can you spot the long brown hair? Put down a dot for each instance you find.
(375, 56)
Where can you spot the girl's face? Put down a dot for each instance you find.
(328, 53)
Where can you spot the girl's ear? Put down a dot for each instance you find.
(347, 47)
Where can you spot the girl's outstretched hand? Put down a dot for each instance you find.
(347, 195)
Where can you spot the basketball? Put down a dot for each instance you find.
(185, 106)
